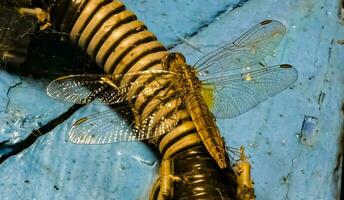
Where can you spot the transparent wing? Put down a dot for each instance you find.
(248, 50)
(231, 95)
(106, 88)
(83, 89)
(104, 127)
(118, 126)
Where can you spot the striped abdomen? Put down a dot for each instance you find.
(206, 127)
(121, 44)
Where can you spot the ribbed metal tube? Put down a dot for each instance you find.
(204, 179)
(119, 43)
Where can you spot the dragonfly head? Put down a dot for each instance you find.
(174, 62)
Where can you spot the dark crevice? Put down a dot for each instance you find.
(219, 14)
(330, 51)
(9, 90)
(340, 162)
(341, 10)
(46, 63)
(14, 149)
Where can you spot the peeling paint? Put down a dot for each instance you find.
(8, 150)
(330, 51)
(321, 99)
(309, 130)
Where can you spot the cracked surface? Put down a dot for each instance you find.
(8, 92)
(283, 167)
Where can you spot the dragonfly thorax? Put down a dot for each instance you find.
(190, 80)
(176, 62)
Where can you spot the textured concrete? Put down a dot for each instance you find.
(286, 164)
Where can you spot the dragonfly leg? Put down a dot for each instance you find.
(155, 190)
(167, 179)
(242, 168)
(121, 44)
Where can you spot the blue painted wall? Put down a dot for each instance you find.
(283, 166)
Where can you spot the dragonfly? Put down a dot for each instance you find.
(224, 83)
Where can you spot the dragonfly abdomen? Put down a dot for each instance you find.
(120, 44)
(206, 127)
